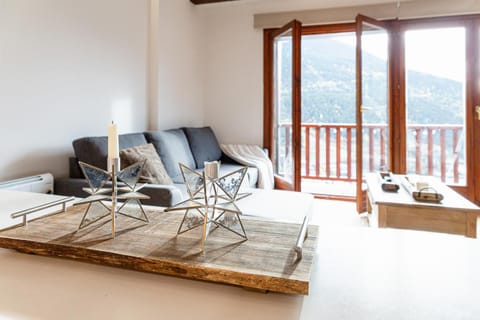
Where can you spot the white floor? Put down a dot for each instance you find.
(337, 213)
(359, 272)
(329, 187)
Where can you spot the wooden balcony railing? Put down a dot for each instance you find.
(328, 150)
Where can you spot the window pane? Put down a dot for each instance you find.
(283, 153)
(435, 100)
(328, 114)
(375, 100)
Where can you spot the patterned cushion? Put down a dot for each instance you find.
(153, 170)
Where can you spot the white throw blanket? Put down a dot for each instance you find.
(252, 155)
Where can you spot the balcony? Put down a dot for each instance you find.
(329, 153)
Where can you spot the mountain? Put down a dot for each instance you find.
(328, 88)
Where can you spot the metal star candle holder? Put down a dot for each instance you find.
(99, 194)
(211, 202)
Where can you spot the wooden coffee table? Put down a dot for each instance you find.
(454, 214)
(268, 261)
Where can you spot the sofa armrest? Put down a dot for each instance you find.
(160, 195)
(227, 159)
(74, 168)
(70, 187)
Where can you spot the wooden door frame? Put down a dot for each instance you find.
(472, 191)
(268, 90)
(474, 76)
(360, 202)
(268, 140)
(360, 21)
(397, 112)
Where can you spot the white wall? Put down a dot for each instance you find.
(233, 81)
(178, 100)
(67, 68)
(234, 64)
(234, 60)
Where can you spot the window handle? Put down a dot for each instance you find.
(477, 109)
(363, 109)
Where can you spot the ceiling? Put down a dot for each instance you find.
(208, 1)
(324, 3)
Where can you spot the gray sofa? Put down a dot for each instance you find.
(190, 146)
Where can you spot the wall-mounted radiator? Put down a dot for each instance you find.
(42, 183)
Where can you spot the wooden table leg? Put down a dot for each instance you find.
(382, 216)
(471, 227)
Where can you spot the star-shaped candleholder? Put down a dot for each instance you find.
(211, 202)
(104, 201)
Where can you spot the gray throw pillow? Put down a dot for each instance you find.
(153, 170)
(204, 145)
(172, 147)
(94, 150)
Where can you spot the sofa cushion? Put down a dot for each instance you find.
(94, 150)
(153, 170)
(204, 145)
(172, 147)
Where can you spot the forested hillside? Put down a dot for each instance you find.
(328, 88)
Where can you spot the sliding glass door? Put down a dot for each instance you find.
(417, 102)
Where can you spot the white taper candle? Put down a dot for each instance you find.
(211, 169)
(113, 152)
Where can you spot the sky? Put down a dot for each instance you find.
(440, 52)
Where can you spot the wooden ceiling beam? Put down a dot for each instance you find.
(208, 1)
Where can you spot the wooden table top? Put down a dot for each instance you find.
(452, 199)
(266, 261)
